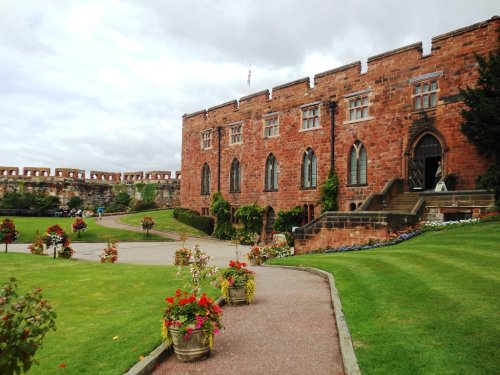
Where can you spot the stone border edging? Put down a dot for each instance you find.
(147, 365)
(349, 359)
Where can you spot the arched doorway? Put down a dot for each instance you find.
(424, 163)
(270, 216)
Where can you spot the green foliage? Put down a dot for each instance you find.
(287, 219)
(148, 192)
(144, 206)
(193, 218)
(251, 217)
(481, 123)
(329, 193)
(121, 188)
(75, 202)
(24, 323)
(123, 198)
(116, 207)
(220, 208)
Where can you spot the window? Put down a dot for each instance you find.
(235, 134)
(206, 139)
(425, 94)
(233, 218)
(310, 117)
(308, 213)
(357, 164)
(235, 176)
(271, 183)
(205, 211)
(309, 163)
(205, 179)
(358, 108)
(271, 126)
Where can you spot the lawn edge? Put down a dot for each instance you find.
(349, 359)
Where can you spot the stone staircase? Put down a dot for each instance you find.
(404, 202)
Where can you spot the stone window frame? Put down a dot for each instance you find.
(206, 139)
(205, 179)
(423, 95)
(205, 211)
(269, 127)
(235, 133)
(309, 169)
(235, 176)
(271, 173)
(358, 156)
(306, 116)
(358, 102)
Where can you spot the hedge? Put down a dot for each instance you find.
(193, 218)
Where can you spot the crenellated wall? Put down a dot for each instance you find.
(95, 190)
(390, 134)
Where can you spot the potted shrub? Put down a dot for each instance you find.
(147, 223)
(182, 255)
(237, 283)
(37, 246)
(56, 237)
(189, 324)
(79, 225)
(8, 232)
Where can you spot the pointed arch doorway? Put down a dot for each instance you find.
(426, 154)
(270, 217)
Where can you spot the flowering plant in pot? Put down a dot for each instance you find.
(256, 256)
(37, 246)
(182, 255)
(191, 319)
(110, 252)
(8, 232)
(190, 323)
(237, 283)
(147, 223)
(56, 237)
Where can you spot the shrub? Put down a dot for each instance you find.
(220, 208)
(23, 325)
(116, 207)
(75, 202)
(110, 252)
(37, 246)
(193, 218)
(288, 218)
(251, 217)
(182, 257)
(329, 193)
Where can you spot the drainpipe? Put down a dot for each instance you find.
(219, 135)
(332, 107)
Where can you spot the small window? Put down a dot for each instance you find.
(234, 219)
(206, 139)
(235, 134)
(307, 213)
(425, 94)
(358, 108)
(271, 182)
(357, 164)
(309, 165)
(205, 179)
(310, 117)
(205, 211)
(235, 176)
(271, 126)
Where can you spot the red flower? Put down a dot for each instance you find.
(170, 300)
(62, 365)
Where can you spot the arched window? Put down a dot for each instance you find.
(205, 179)
(235, 176)
(271, 183)
(357, 164)
(309, 175)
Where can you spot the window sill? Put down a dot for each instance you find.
(234, 191)
(271, 136)
(359, 120)
(206, 149)
(236, 144)
(310, 129)
(357, 185)
(308, 188)
(423, 110)
(270, 190)
(205, 194)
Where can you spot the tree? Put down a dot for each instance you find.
(481, 117)
(75, 202)
(8, 232)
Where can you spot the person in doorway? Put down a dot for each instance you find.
(437, 176)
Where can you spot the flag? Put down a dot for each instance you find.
(249, 75)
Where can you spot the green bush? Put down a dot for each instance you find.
(24, 323)
(251, 217)
(329, 193)
(116, 207)
(193, 218)
(287, 219)
(75, 202)
(220, 208)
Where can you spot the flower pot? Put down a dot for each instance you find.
(255, 261)
(237, 295)
(192, 348)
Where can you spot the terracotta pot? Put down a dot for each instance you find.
(191, 349)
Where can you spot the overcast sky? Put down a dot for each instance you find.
(102, 85)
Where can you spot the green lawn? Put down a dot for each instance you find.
(27, 227)
(430, 305)
(164, 221)
(108, 315)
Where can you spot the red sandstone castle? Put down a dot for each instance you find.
(383, 131)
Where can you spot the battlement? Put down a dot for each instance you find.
(450, 45)
(43, 173)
